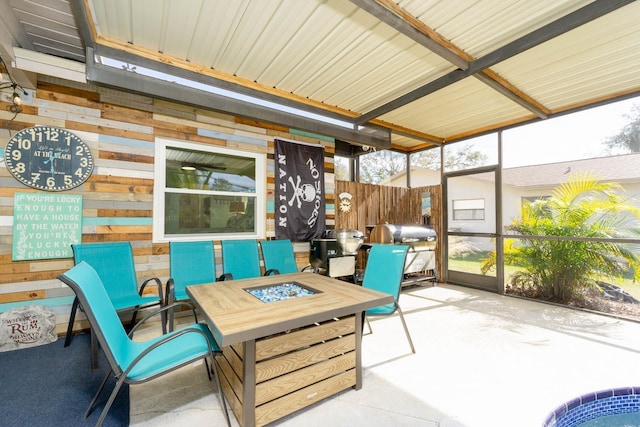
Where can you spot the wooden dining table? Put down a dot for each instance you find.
(282, 355)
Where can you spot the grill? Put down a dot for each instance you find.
(420, 265)
(336, 256)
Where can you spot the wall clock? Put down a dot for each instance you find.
(48, 158)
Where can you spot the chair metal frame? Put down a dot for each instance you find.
(140, 361)
(384, 272)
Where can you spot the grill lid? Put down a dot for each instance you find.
(412, 235)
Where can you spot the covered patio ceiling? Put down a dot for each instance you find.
(406, 74)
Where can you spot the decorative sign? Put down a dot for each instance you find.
(426, 203)
(45, 225)
(345, 202)
(27, 327)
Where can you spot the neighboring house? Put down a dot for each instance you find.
(531, 182)
(474, 198)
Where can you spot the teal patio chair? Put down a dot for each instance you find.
(114, 262)
(135, 362)
(384, 272)
(278, 256)
(240, 259)
(190, 263)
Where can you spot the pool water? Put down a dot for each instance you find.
(619, 420)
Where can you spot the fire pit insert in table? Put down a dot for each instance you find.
(281, 292)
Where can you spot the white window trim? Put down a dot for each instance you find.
(160, 187)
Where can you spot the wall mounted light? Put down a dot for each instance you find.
(16, 101)
(16, 98)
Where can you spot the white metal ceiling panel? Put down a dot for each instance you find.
(112, 19)
(367, 57)
(330, 51)
(286, 41)
(403, 141)
(366, 64)
(480, 26)
(587, 63)
(457, 109)
(238, 41)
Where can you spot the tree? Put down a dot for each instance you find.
(378, 165)
(628, 139)
(557, 268)
(341, 168)
(463, 157)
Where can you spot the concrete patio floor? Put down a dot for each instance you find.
(483, 360)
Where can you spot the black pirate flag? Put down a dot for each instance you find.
(299, 195)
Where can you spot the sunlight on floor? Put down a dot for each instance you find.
(482, 360)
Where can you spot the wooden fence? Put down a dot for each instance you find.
(377, 204)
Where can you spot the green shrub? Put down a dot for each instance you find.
(556, 267)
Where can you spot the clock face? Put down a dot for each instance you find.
(48, 158)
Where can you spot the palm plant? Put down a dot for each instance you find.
(558, 266)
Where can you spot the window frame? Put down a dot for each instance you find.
(349, 161)
(473, 211)
(160, 189)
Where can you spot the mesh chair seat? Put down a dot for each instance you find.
(383, 310)
(240, 259)
(191, 263)
(278, 256)
(171, 355)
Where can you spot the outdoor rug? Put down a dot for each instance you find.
(49, 385)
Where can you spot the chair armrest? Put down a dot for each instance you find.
(169, 293)
(158, 284)
(163, 309)
(272, 271)
(225, 276)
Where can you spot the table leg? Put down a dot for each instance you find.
(359, 325)
(249, 384)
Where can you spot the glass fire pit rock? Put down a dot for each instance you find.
(281, 292)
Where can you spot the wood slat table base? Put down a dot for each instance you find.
(269, 378)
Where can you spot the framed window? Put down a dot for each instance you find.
(206, 192)
(468, 210)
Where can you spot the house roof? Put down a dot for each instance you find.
(621, 169)
(409, 73)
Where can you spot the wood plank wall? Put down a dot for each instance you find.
(378, 204)
(120, 128)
